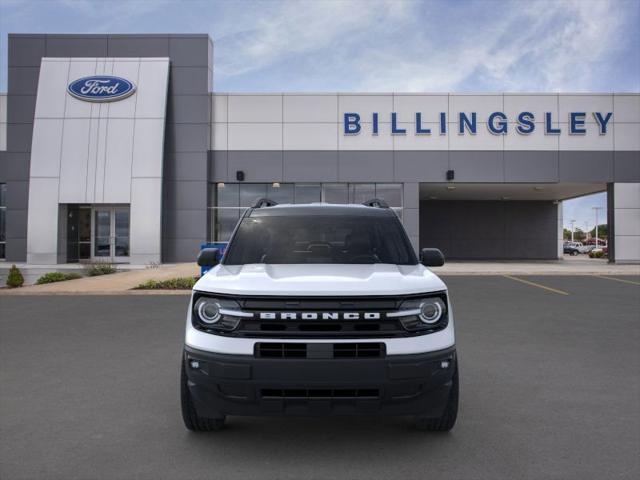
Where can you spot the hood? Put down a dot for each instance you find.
(319, 280)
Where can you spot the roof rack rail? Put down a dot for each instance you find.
(376, 202)
(264, 202)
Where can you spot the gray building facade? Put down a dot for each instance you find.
(150, 177)
(186, 135)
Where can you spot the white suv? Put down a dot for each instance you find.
(319, 310)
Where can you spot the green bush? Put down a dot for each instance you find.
(15, 278)
(100, 269)
(596, 254)
(180, 283)
(52, 277)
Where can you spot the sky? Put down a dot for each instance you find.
(378, 45)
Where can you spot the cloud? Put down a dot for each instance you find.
(376, 45)
(558, 46)
(288, 30)
(435, 46)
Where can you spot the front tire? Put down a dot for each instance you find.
(192, 420)
(447, 420)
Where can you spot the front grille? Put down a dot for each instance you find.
(331, 317)
(320, 350)
(281, 350)
(320, 393)
(257, 328)
(358, 350)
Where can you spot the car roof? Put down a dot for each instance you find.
(320, 209)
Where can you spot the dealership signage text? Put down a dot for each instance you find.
(467, 123)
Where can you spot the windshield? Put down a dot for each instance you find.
(345, 239)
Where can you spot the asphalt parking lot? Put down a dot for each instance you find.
(550, 388)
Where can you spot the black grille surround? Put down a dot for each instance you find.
(384, 327)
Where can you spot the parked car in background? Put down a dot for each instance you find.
(586, 248)
(572, 248)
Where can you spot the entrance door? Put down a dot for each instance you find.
(78, 233)
(111, 234)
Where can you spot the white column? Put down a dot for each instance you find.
(411, 212)
(560, 235)
(42, 221)
(626, 211)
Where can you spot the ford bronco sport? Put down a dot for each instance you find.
(319, 309)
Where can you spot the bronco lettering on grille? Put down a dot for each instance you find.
(320, 316)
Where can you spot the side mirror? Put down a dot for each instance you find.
(208, 257)
(431, 257)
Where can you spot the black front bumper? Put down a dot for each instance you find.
(417, 384)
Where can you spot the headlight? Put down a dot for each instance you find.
(216, 314)
(208, 310)
(431, 310)
(427, 313)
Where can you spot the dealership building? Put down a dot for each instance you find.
(117, 148)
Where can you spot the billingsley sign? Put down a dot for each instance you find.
(497, 123)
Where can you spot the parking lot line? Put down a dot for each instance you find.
(534, 284)
(618, 279)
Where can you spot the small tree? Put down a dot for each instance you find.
(602, 231)
(15, 278)
(578, 235)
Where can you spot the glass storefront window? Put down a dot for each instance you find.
(102, 247)
(280, 192)
(121, 226)
(335, 193)
(223, 221)
(3, 216)
(307, 192)
(390, 193)
(226, 195)
(228, 201)
(250, 192)
(361, 192)
(3, 234)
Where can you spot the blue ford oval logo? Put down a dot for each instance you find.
(101, 88)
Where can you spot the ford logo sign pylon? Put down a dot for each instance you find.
(101, 88)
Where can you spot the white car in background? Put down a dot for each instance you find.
(579, 246)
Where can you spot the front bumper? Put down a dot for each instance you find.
(223, 384)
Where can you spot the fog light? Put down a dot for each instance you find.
(194, 364)
(444, 364)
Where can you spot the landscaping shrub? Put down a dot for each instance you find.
(596, 254)
(15, 278)
(52, 277)
(179, 283)
(96, 269)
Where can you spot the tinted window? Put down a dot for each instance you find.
(320, 239)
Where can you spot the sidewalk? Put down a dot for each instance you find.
(115, 283)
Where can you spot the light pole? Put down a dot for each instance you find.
(596, 209)
(586, 231)
(572, 228)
